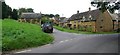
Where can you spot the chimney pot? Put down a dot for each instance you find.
(89, 9)
(78, 12)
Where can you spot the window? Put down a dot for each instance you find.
(101, 27)
(90, 17)
(83, 18)
(74, 21)
(102, 20)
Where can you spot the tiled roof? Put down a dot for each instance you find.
(56, 18)
(30, 15)
(94, 15)
(65, 20)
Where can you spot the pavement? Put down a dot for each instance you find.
(78, 43)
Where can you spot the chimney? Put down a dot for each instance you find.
(89, 9)
(77, 11)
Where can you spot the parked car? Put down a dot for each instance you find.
(47, 27)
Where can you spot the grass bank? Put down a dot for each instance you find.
(18, 35)
(80, 32)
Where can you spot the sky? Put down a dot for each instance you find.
(65, 8)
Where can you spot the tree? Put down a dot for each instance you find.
(24, 10)
(21, 10)
(51, 15)
(15, 14)
(30, 10)
(45, 19)
(6, 11)
(57, 15)
(104, 5)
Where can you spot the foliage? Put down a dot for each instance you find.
(45, 19)
(18, 35)
(15, 14)
(24, 10)
(57, 15)
(103, 6)
(6, 10)
(30, 10)
(8, 13)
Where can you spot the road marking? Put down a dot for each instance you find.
(66, 40)
(24, 51)
(61, 41)
(71, 39)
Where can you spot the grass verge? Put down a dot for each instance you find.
(80, 32)
(18, 35)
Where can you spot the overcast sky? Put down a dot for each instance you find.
(64, 8)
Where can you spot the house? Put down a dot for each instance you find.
(116, 21)
(57, 20)
(64, 22)
(34, 18)
(94, 21)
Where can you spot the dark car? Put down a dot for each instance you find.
(47, 27)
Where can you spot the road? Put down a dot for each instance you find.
(78, 43)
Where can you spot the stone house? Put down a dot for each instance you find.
(94, 21)
(34, 18)
(64, 22)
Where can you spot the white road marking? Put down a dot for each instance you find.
(24, 51)
(66, 40)
(61, 41)
(71, 39)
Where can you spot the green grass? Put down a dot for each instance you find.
(18, 35)
(80, 32)
(0, 35)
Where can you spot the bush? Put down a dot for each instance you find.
(18, 35)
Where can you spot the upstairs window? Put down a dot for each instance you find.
(101, 27)
(90, 17)
(83, 18)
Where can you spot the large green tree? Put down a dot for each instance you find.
(21, 10)
(57, 15)
(6, 11)
(24, 10)
(30, 10)
(15, 14)
(104, 5)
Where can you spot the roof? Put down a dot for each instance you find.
(65, 20)
(56, 18)
(118, 16)
(115, 16)
(30, 15)
(60, 19)
(94, 15)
